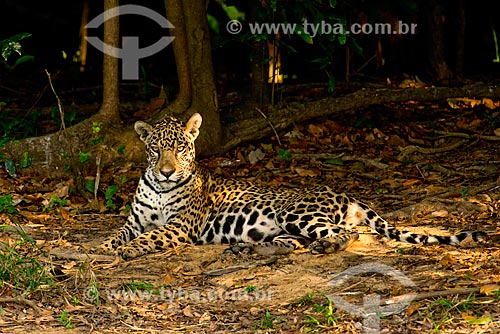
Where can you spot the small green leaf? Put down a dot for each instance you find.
(480, 321)
(284, 154)
(23, 59)
(90, 186)
(10, 167)
(121, 150)
(111, 191)
(233, 13)
(335, 161)
(25, 161)
(213, 23)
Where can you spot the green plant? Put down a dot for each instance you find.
(83, 157)
(143, 286)
(267, 321)
(25, 161)
(12, 45)
(6, 204)
(250, 288)
(108, 195)
(69, 118)
(65, 320)
(284, 154)
(324, 315)
(121, 150)
(20, 270)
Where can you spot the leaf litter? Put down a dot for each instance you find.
(447, 182)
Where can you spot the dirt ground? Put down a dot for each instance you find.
(426, 168)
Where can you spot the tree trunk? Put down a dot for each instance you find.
(110, 97)
(460, 38)
(193, 56)
(437, 59)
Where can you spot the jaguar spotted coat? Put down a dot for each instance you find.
(178, 201)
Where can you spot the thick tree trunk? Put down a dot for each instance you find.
(435, 45)
(193, 56)
(110, 97)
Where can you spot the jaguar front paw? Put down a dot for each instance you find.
(129, 252)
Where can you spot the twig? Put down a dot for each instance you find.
(405, 151)
(431, 294)
(98, 173)
(271, 124)
(342, 157)
(83, 257)
(467, 136)
(59, 103)
(20, 300)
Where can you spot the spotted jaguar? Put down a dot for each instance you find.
(178, 201)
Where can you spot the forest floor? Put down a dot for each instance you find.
(427, 167)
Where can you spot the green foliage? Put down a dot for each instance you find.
(121, 150)
(90, 185)
(18, 126)
(250, 288)
(12, 45)
(20, 270)
(108, 195)
(10, 167)
(284, 154)
(324, 315)
(267, 321)
(83, 157)
(25, 161)
(69, 118)
(6, 204)
(55, 202)
(96, 128)
(65, 320)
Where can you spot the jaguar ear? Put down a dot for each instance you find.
(193, 125)
(143, 129)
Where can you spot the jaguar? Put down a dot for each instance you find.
(178, 201)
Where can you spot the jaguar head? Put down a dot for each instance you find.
(170, 147)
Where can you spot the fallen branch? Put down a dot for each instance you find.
(83, 257)
(20, 300)
(406, 151)
(430, 294)
(326, 156)
(466, 136)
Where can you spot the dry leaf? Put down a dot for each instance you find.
(447, 260)
(315, 130)
(497, 132)
(411, 182)
(187, 311)
(412, 308)
(440, 213)
(255, 156)
(489, 289)
(307, 172)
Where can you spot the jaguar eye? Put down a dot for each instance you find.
(155, 151)
(181, 148)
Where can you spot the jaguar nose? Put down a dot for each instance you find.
(166, 173)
